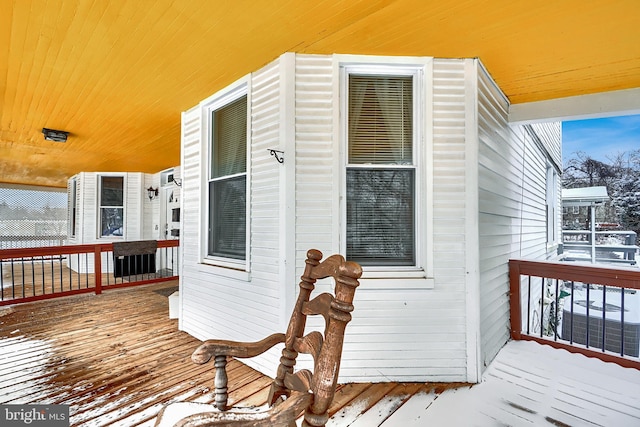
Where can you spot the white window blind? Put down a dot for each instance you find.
(381, 171)
(380, 120)
(227, 184)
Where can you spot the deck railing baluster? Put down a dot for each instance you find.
(33, 277)
(588, 316)
(23, 284)
(529, 304)
(13, 282)
(622, 322)
(572, 322)
(555, 314)
(61, 273)
(86, 271)
(43, 277)
(604, 317)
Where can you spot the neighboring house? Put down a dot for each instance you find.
(407, 165)
(106, 207)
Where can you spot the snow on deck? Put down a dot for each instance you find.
(529, 384)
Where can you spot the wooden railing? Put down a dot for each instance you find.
(581, 308)
(31, 274)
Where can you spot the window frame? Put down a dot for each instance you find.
(551, 206)
(73, 207)
(420, 69)
(101, 206)
(217, 101)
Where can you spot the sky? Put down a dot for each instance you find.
(601, 139)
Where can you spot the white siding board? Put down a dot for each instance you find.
(315, 172)
(499, 184)
(511, 205)
(449, 211)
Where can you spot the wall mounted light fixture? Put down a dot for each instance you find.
(55, 135)
(152, 192)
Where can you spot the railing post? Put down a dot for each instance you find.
(97, 268)
(514, 299)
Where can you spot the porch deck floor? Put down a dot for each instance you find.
(116, 359)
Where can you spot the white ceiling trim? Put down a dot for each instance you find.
(604, 104)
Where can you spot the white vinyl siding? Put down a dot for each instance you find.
(512, 204)
(553, 216)
(475, 200)
(500, 196)
(316, 157)
(448, 299)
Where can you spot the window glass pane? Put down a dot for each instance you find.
(227, 222)
(73, 204)
(380, 217)
(380, 119)
(111, 221)
(112, 191)
(229, 154)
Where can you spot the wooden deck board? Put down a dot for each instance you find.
(116, 359)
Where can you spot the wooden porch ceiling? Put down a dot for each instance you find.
(117, 74)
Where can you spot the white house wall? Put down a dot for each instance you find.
(87, 214)
(500, 180)
(512, 196)
(150, 229)
(214, 302)
(398, 332)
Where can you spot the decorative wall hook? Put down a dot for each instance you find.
(275, 154)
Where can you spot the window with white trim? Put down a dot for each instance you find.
(383, 169)
(227, 178)
(111, 209)
(73, 206)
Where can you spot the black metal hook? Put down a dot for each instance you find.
(275, 153)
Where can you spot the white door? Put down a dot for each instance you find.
(172, 212)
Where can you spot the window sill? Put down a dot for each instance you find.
(224, 271)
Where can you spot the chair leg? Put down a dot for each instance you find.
(220, 382)
(314, 420)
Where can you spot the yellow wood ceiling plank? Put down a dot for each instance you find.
(117, 74)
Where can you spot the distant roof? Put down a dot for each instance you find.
(585, 196)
